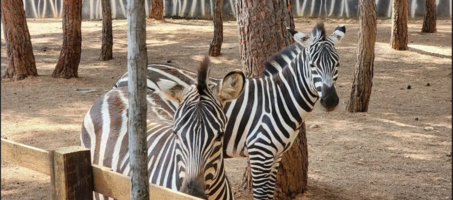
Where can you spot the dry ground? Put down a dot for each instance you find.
(382, 154)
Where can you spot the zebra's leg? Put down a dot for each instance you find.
(261, 168)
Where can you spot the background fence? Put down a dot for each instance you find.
(201, 9)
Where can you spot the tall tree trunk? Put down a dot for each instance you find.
(68, 63)
(399, 38)
(363, 79)
(107, 37)
(136, 65)
(292, 176)
(156, 10)
(21, 61)
(429, 21)
(216, 44)
(262, 32)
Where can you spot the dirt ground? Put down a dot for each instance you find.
(385, 153)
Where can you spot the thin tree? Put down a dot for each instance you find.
(107, 36)
(136, 65)
(68, 63)
(267, 23)
(216, 44)
(19, 51)
(429, 21)
(399, 38)
(156, 10)
(363, 79)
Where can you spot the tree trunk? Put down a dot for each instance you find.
(107, 37)
(156, 10)
(216, 44)
(363, 79)
(399, 38)
(68, 63)
(292, 176)
(429, 21)
(136, 65)
(262, 32)
(21, 61)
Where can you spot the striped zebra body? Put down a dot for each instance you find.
(264, 121)
(184, 146)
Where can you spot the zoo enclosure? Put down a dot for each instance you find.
(202, 9)
(72, 176)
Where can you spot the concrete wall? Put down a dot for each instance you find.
(201, 9)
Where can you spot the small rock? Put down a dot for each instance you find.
(429, 128)
(314, 126)
(168, 61)
(416, 119)
(428, 84)
(409, 87)
(449, 154)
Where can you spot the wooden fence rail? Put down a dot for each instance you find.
(72, 175)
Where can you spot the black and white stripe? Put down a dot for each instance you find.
(264, 121)
(184, 147)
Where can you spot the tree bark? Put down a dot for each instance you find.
(363, 79)
(262, 32)
(399, 38)
(292, 176)
(429, 21)
(107, 37)
(156, 10)
(216, 44)
(21, 61)
(68, 63)
(136, 64)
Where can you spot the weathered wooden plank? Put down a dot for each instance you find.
(26, 156)
(73, 178)
(117, 186)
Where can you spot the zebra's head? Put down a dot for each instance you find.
(323, 61)
(199, 125)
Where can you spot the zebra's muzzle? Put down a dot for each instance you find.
(195, 188)
(329, 99)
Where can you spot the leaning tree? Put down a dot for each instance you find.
(216, 44)
(262, 28)
(21, 61)
(429, 21)
(68, 62)
(399, 38)
(107, 36)
(363, 79)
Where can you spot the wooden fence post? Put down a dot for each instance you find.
(72, 176)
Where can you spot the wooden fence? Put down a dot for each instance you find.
(72, 176)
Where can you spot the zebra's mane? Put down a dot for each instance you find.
(290, 52)
(202, 75)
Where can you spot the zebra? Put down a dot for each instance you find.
(264, 121)
(184, 154)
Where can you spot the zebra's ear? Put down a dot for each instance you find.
(338, 34)
(171, 90)
(304, 40)
(231, 86)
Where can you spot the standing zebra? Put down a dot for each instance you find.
(264, 121)
(185, 153)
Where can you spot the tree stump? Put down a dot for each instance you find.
(107, 37)
(216, 44)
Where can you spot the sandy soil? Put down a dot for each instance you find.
(385, 153)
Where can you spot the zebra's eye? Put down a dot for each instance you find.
(312, 65)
